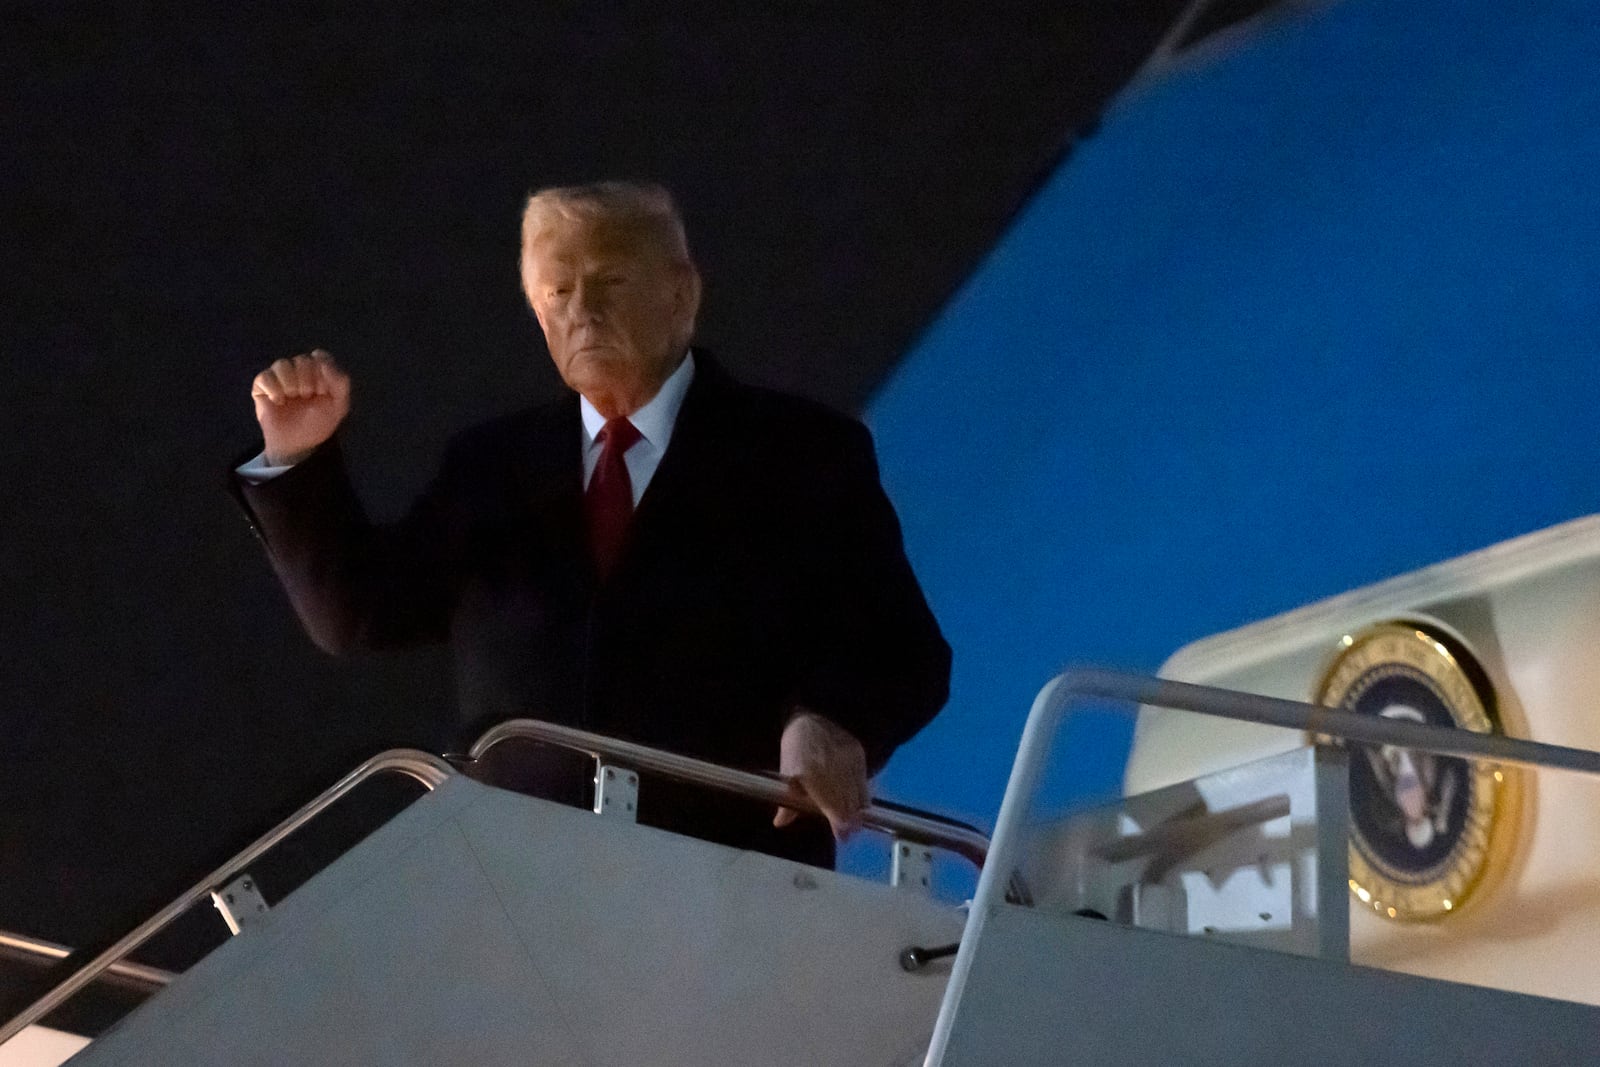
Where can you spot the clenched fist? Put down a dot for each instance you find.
(299, 403)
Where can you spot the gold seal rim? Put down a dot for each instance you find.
(1483, 847)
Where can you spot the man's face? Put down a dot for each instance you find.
(614, 309)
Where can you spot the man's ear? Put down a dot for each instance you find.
(525, 276)
(533, 307)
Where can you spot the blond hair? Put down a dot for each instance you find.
(641, 208)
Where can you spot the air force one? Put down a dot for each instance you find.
(1359, 832)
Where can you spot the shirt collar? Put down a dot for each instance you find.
(656, 419)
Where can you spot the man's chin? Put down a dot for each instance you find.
(603, 381)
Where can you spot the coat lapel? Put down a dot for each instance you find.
(547, 477)
(691, 459)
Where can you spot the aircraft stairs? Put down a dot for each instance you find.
(1200, 923)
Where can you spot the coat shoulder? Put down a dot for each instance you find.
(779, 416)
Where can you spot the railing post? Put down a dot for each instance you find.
(1332, 763)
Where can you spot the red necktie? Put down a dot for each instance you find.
(608, 501)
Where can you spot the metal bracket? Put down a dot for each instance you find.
(912, 867)
(616, 791)
(240, 902)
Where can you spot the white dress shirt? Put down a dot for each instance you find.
(654, 422)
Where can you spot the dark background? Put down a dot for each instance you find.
(190, 195)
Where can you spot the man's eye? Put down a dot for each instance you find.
(562, 291)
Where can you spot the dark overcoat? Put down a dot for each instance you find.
(763, 570)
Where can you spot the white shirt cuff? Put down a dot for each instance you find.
(258, 470)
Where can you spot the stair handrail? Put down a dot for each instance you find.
(906, 824)
(1077, 686)
(425, 767)
(138, 974)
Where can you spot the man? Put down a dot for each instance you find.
(667, 556)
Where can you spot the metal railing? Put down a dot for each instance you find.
(428, 769)
(1315, 719)
(919, 827)
(141, 976)
(1325, 725)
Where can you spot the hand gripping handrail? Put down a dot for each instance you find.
(1081, 685)
(426, 768)
(910, 826)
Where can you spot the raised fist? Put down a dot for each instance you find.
(300, 402)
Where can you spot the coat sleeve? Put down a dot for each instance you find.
(353, 583)
(879, 666)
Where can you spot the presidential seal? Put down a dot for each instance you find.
(1423, 828)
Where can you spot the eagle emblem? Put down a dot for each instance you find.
(1424, 828)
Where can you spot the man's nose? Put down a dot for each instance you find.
(589, 301)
